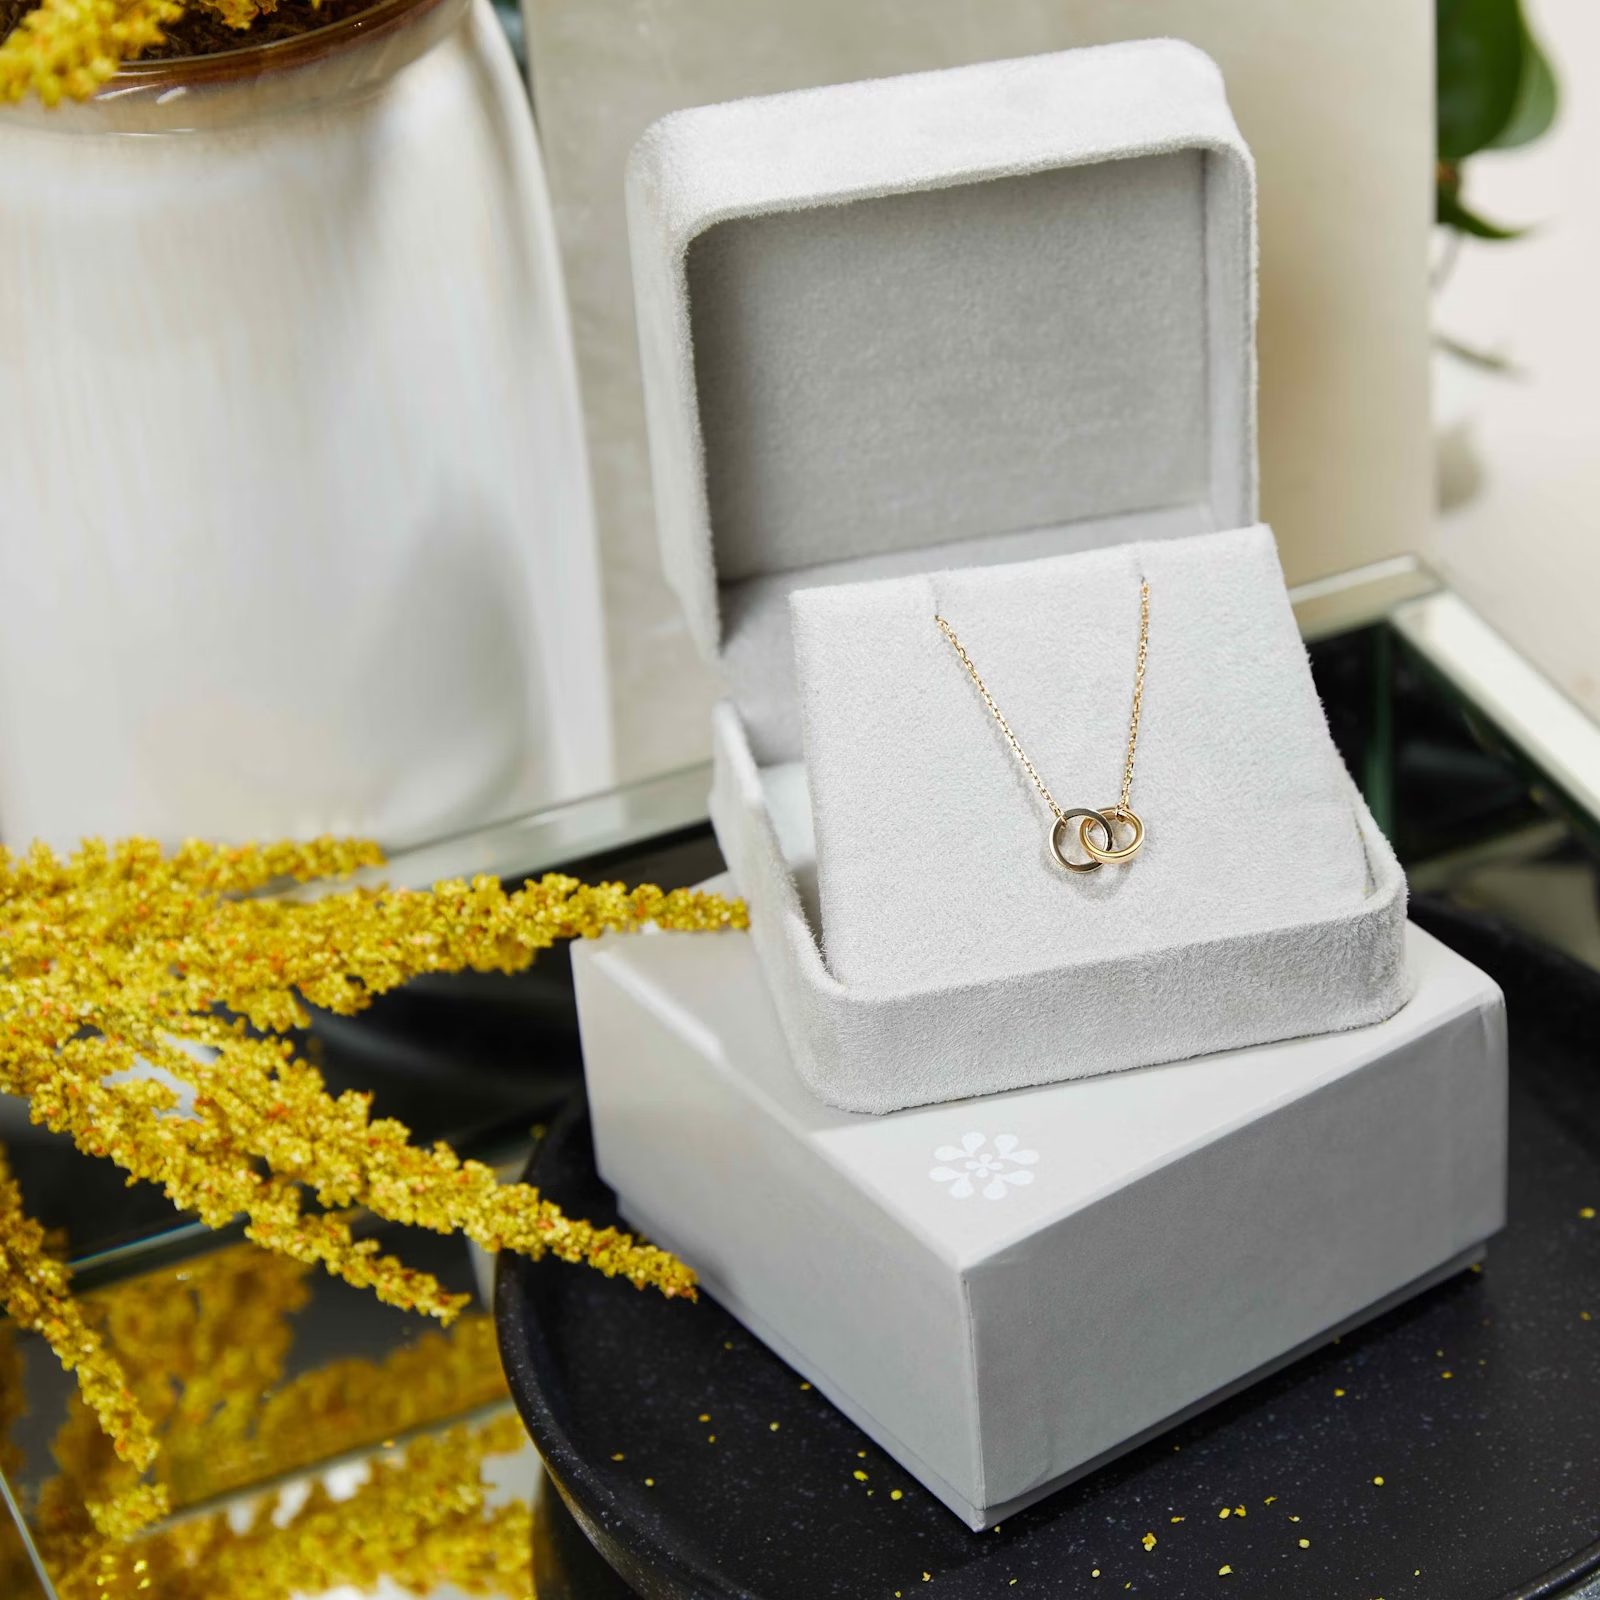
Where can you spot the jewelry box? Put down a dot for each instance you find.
(980, 343)
(975, 319)
(1007, 1292)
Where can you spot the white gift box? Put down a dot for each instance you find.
(968, 320)
(1007, 1292)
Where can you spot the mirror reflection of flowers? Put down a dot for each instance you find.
(207, 1348)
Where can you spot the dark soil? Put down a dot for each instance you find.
(202, 32)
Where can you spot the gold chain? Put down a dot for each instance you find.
(1005, 727)
(1133, 723)
(1138, 693)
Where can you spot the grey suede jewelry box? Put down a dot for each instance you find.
(994, 317)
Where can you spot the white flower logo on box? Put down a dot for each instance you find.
(976, 1165)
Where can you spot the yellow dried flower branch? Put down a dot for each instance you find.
(138, 996)
(241, 13)
(69, 48)
(35, 1293)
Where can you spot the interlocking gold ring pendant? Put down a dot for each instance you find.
(1110, 855)
(1059, 838)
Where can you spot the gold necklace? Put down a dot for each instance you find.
(1099, 855)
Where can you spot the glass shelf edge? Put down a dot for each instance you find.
(540, 841)
(1555, 735)
(1361, 597)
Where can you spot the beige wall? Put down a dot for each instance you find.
(1336, 101)
(1525, 547)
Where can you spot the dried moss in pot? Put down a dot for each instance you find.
(204, 32)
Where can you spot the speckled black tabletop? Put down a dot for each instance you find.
(1450, 1449)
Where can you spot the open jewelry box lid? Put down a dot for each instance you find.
(942, 324)
(948, 319)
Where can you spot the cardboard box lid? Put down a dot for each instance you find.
(941, 319)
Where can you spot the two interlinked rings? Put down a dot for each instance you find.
(1106, 855)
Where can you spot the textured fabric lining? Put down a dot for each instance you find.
(932, 844)
(758, 649)
(919, 368)
(876, 1049)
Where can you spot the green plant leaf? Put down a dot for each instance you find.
(1537, 98)
(1453, 214)
(1483, 360)
(1480, 70)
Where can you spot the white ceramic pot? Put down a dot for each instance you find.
(295, 524)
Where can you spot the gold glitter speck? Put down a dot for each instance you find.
(1226, 1511)
(1149, 1541)
(1305, 1544)
(1223, 1571)
(895, 1494)
(859, 1475)
(1378, 1481)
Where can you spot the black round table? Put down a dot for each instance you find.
(1449, 1449)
